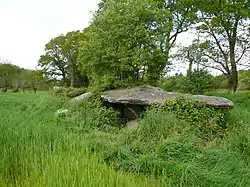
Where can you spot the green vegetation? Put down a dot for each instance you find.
(134, 42)
(37, 150)
(88, 147)
(15, 78)
(128, 43)
(199, 82)
(67, 92)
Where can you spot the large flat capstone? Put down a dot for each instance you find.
(147, 95)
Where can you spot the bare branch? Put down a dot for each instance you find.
(224, 65)
(214, 67)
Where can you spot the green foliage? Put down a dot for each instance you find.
(33, 79)
(198, 82)
(224, 26)
(91, 114)
(14, 77)
(9, 75)
(85, 147)
(173, 83)
(244, 80)
(208, 121)
(160, 123)
(37, 151)
(130, 40)
(67, 92)
(248, 95)
(53, 62)
(60, 60)
(4, 89)
(220, 82)
(74, 92)
(195, 82)
(171, 148)
(15, 90)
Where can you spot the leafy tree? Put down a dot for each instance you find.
(198, 81)
(129, 40)
(60, 59)
(70, 51)
(54, 62)
(173, 83)
(9, 75)
(192, 54)
(33, 79)
(224, 24)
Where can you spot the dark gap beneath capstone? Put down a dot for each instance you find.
(127, 112)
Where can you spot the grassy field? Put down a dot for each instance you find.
(87, 147)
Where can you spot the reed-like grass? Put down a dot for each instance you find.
(86, 147)
(36, 151)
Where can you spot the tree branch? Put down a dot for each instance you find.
(214, 67)
(211, 32)
(225, 67)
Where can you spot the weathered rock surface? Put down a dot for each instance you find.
(82, 97)
(147, 95)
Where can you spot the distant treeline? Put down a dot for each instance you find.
(16, 78)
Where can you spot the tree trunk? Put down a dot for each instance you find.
(232, 43)
(229, 82)
(64, 78)
(73, 75)
(234, 77)
(233, 65)
(190, 67)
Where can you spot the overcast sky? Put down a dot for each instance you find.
(27, 25)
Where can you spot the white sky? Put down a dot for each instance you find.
(27, 25)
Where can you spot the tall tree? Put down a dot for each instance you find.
(130, 40)
(70, 51)
(54, 62)
(60, 59)
(224, 24)
(192, 54)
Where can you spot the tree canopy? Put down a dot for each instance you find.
(60, 59)
(130, 42)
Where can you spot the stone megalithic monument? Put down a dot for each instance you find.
(131, 102)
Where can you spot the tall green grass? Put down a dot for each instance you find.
(36, 150)
(88, 147)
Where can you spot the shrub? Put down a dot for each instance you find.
(166, 147)
(220, 82)
(174, 83)
(16, 90)
(248, 95)
(67, 92)
(208, 121)
(90, 114)
(74, 92)
(58, 91)
(198, 82)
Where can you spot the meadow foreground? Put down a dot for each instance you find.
(88, 147)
